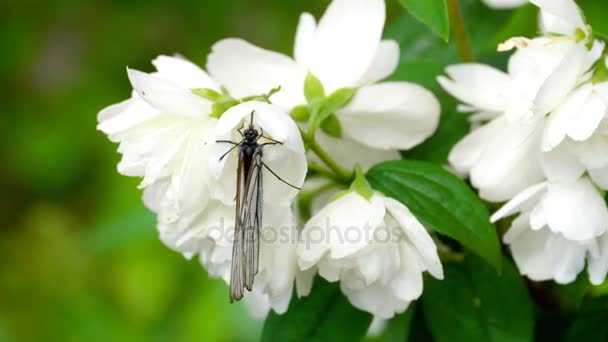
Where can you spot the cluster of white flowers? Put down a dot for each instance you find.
(168, 132)
(541, 142)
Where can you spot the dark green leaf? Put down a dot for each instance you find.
(474, 303)
(324, 315)
(441, 201)
(591, 325)
(399, 327)
(432, 13)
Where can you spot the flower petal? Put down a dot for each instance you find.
(542, 255)
(384, 63)
(346, 42)
(247, 70)
(331, 228)
(519, 202)
(509, 162)
(565, 10)
(598, 265)
(561, 165)
(562, 81)
(600, 177)
(166, 96)
(391, 115)
(564, 203)
(183, 73)
(305, 35)
(478, 85)
(417, 235)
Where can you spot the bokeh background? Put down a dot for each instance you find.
(79, 254)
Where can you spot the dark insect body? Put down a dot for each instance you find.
(249, 205)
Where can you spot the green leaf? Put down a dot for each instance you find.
(313, 89)
(432, 13)
(399, 327)
(336, 100)
(591, 323)
(441, 201)
(331, 126)
(474, 303)
(300, 113)
(324, 315)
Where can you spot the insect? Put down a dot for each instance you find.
(249, 202)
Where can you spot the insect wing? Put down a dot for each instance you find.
(245, 250)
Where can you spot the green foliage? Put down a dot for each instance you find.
(441, 201)
(474, 303)
(433, 13)
(324, 315)
(313, 89)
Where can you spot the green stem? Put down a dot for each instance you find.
(460, 33)
(344, 176)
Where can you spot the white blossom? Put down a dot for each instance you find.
(343, 50)
(374, 246)
(559, 226)
(544, 98)
(168, 138)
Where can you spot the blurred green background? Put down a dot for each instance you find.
(79, 254)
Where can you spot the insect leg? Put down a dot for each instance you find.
(232, 148)
(279, 177)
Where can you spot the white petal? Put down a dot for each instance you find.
(576, 210)
(598, 265)
(566, 10)
(166, 96)
(519, 202)
(346, 42)
(247, 70)
(305, 35)
(182, 72)
(509, 162)
(348, 153)
(562, 81)
(339, 228)
(542, 255)
(407, 283)
(276, 123)
(561, 165)
(376, 299)
(600, 177)
(384, 63)
(391, 115)
(500, 4)
(578, 117)
(124, 115)
(467, 152)
(478, 85)
(418, 236)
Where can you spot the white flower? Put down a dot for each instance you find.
(164, 131)
(167, 137)
(375, 247)
(344, 50)
(560, 225)
(544, 98)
